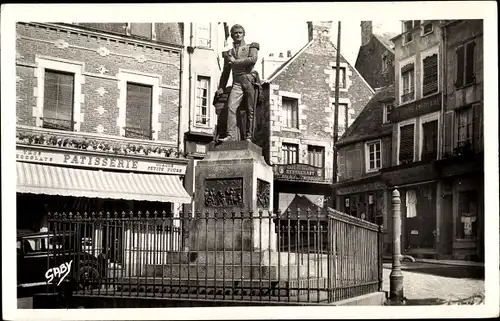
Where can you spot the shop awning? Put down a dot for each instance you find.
(53, 180)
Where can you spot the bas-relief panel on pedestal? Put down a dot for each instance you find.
(223, 192)
(263, 194)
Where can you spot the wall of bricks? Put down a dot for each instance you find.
(310, 75)
(102, 58)
(370, 65)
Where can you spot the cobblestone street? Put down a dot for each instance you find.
(419, 286)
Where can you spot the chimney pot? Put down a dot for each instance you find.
(289, 53)
(271, 55)
(281, 55)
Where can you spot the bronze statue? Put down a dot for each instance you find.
(242, 97)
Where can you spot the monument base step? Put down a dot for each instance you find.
(223, 287)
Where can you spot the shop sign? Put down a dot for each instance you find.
(70, 158)
(298, 172)
(423, 106)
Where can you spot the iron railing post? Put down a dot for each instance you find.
(396, 276)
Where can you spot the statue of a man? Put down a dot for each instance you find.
(240, 60)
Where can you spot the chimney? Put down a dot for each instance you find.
(289, 54)
(366, 32)
(319, 30)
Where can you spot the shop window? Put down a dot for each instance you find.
(316, 155)
(202, 101)
(203, 34)
(373, 156)
(342, 77)
(290, 153)
(138, 111)
(58, 99)
(465, 64)
(430, 140)
(430, 78)
(467, 215)
(290, 112)
(408, 79)
(406, 143)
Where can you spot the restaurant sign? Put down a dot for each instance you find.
(300, 172)
(71, 158)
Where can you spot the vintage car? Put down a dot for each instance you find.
(45, 260)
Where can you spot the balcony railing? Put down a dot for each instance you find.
(269, 257)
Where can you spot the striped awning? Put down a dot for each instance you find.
(53, 180)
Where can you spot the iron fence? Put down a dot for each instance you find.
(237, 256)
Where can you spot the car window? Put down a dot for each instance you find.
(18, 245)
(27, 246)
(37, 244)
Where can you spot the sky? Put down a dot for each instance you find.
(293, 35)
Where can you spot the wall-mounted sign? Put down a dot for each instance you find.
(423, 106)
(72, 158)
(298, 171)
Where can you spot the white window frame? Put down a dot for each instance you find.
(125, 76)
(367, 156)
(402, 63)
(423, 55)
(209, 103)
(209, 34)
(289, 95)
(385, 119)
(425, 119)
(401, 124)
(423, 33)
(297, 158)
(64, 65)
(153, 29)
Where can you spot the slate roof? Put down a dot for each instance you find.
(304, 203)
(369, 123)
(385, 39)
(288, 62)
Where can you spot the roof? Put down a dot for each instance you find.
(385, 39)
(303, 203)
(369, 122)
(288, 62)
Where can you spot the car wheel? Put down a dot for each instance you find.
(88, 277)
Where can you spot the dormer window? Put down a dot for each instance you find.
(387, 112)
(408, 27)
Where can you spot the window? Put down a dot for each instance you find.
(143, 30)
(58, 100)
(427, 29)
(430, 140)
(202, 90)
(406, 143)
(385, 62)
(290, 112)
(430, 78)
(408, 78)
(464, 128)
(316, 155)
(343, 118)
(342, 79)
(290, 153)
(373, 156)
(138, 111)
(203, 34)
(465, 64)
(408, 26)
(387, 112)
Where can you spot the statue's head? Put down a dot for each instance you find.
(237, 32)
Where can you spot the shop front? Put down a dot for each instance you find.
(96, 184)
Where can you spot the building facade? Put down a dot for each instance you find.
(203, 44)
(97, 120)
(300, 97)
(461, 169)
(375, 61)
(363, 151)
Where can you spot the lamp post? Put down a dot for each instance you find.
(396, 276)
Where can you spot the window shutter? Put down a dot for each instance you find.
(477, 127)
(469, 63)
(406, 144)
(58, 100)
(460, 67)
(138, 112)
(430, 81)
(448, 133)
(429, 148)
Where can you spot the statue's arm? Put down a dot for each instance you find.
(252, 56)
(224, 77)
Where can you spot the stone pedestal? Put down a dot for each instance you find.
(233, 182)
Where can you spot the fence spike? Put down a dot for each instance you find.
(190, 215)
(139, 213)
(108, 214)
(49, 215)
(224, 214)
(288, 213)
(100, 214)
(198, 214)
(278, 213)
(78, 216)
(155, 214)
(308, 213)
(261, 212)
(147, 214)
(163, 214)
(115, 214)
(124, 214)
(298, 213)
(318, 212)
(86, 216)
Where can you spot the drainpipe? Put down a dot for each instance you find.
(443, 88)
(190, 50)
(181, 89)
